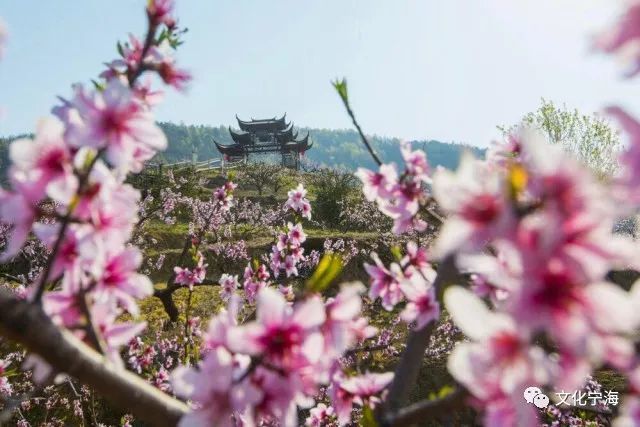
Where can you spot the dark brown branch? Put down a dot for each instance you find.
(92, 333)
(147, 216)
(136, 72)
(28, 325)
(166, 295)
(426, 409)
(411, 359)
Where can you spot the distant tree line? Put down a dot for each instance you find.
(331, 148)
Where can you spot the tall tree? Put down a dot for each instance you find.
(588, 136)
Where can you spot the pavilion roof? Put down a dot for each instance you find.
(243, 138)
(239, 150)
(263, 125)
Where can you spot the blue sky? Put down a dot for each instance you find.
(433, 69)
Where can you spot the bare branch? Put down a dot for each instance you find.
(426, 409)
(341, 88)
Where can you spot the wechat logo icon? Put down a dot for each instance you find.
(534, 395)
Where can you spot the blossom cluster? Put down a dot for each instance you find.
(265, 369)
(228, 285)
(207, 215)
(269, 367)
(537, 230)
(28, 263)
(411, 280)
(297, 201)
(288, 251)
(529, 226)
(400, 197)
(255, 216)
(73, 172)
(256, 277)
(54, 404)
(231, 251)
(191, 276)
(346, 248)
(154, 361)
(137, 57)
(363, 215)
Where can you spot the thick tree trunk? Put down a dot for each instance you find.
(169, 305)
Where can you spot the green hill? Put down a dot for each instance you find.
(334, 148)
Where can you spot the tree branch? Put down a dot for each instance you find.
(166, 295)
(426, 409)
(83, 179)
(28, 325)
(411, 359)
(341, 88)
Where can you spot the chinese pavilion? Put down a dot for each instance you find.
(266, 136)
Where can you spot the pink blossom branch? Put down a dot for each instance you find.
(166, 295)
(411, 359)
(84, 177)
(134, 73)
(28, 325)
(82, 182)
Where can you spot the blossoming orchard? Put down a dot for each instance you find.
(485, 295)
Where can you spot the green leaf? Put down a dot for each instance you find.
(164, 35)
(396, 252)
(327, 270)
(98, 85)
(341, 88)
(120, 49)
(193, 251)
(443, 392)
(368, 418)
